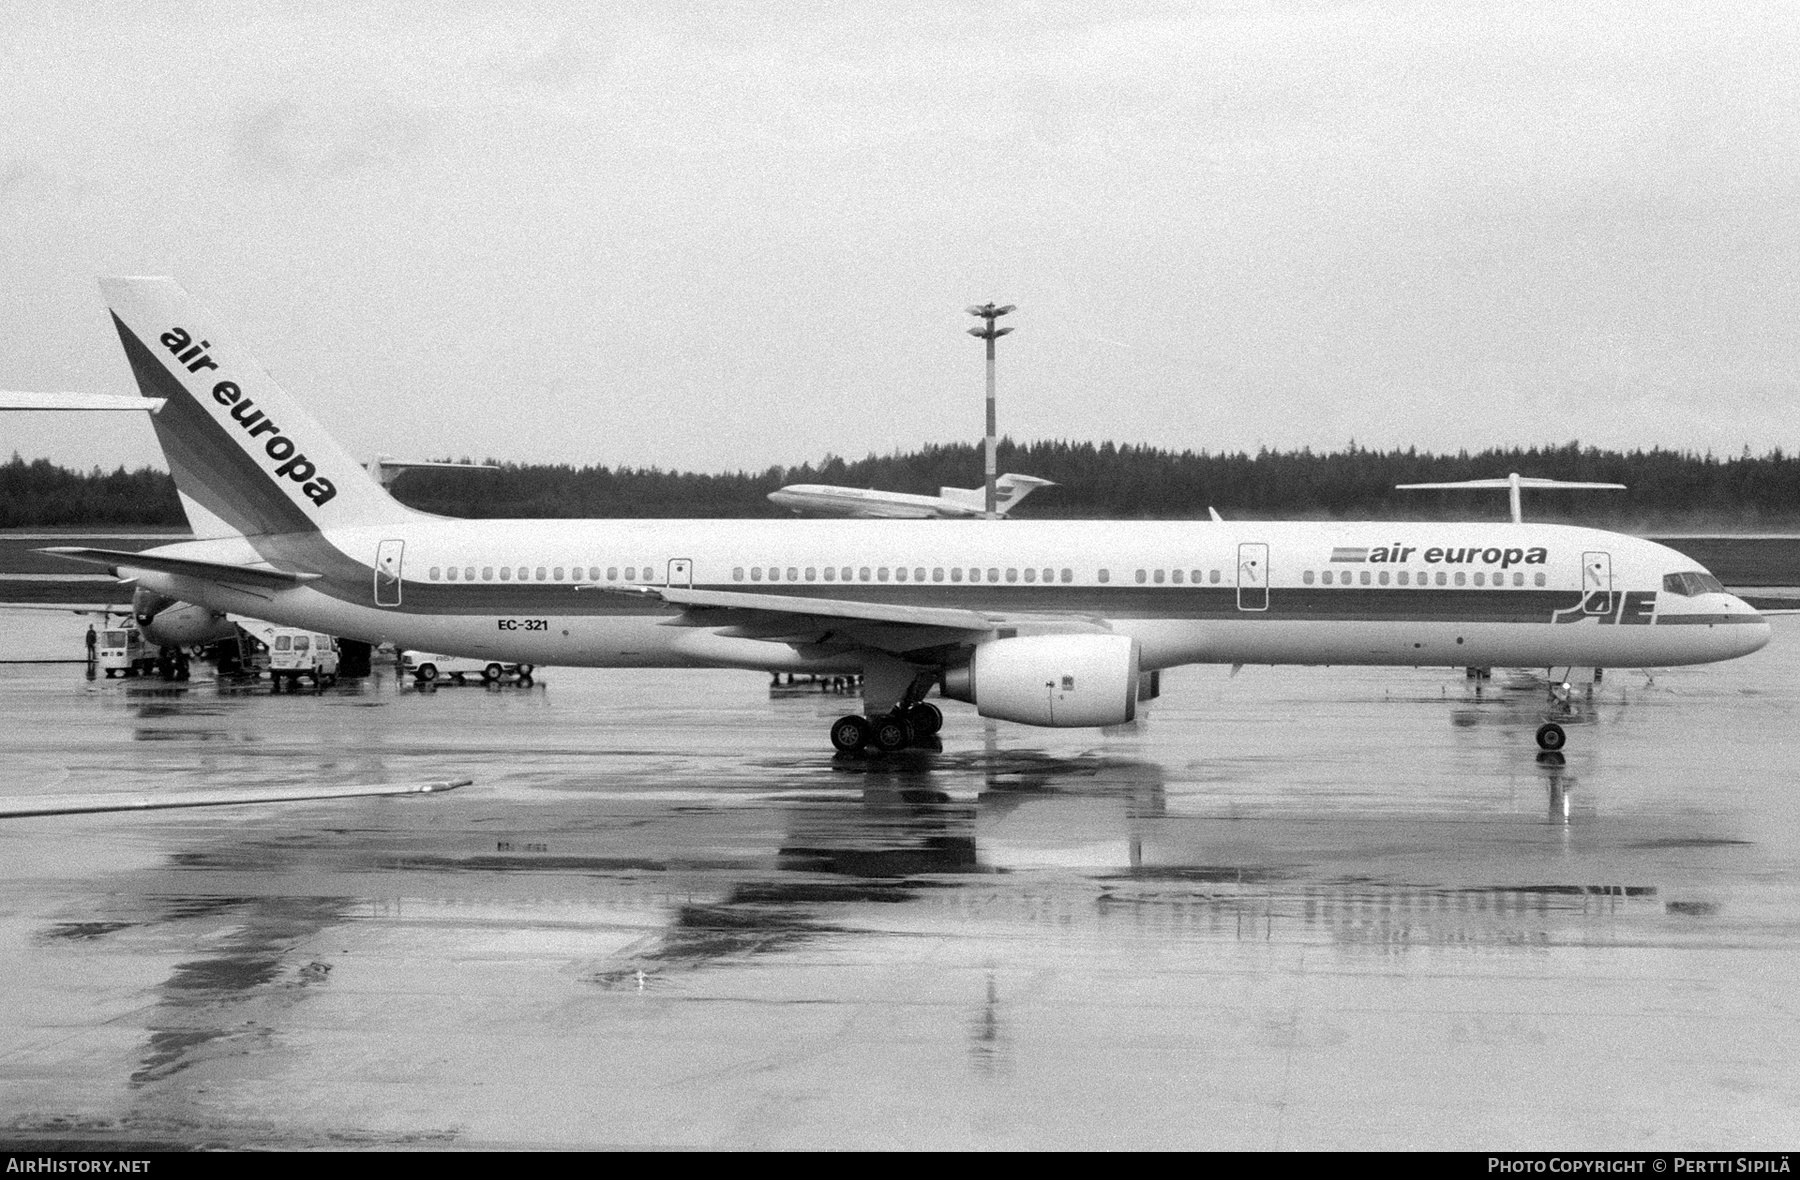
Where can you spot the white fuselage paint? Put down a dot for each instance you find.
(1175, 623)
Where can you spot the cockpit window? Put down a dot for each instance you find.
(1689, 584)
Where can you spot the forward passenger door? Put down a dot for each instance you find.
(1596, 583)
(1253, 576)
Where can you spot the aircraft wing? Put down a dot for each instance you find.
(260, 577)
(796, 618)
(16, 807)
(11, 400)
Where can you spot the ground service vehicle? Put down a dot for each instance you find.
(295, 655)
(123, 652)
(426, 667)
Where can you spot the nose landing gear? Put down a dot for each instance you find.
(1550, 736)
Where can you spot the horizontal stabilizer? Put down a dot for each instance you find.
(15, 808)
(187, 567)
(10, 400)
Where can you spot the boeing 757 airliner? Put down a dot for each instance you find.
(1048, 623)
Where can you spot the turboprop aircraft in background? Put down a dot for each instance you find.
(957, 503)
(1047, 623)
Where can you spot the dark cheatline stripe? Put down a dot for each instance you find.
(1707, 620)
(207, 462)
(353, 582)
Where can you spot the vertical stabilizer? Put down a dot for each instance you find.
(244, 455)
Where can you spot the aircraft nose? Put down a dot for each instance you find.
(1750, 630)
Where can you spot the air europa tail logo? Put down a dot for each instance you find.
(290, 462)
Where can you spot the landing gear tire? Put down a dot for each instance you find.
(492, 674)
(926, 719)
(850, 734)
(891, 733)
(1550, 736)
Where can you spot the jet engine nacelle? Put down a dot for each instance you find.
(1052, 680)
(168, 622)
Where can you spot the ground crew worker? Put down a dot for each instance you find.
(93, 641)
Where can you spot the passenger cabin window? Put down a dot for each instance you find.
(956, 573)
(937, 573)
(1307, 577)
(434, 573)
(1105, 575)
(1140, 576)
(1537, 579)
(1012, 575)
(831, 573)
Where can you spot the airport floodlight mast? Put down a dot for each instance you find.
(988, 332)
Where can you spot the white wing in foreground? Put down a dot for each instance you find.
(16, 807)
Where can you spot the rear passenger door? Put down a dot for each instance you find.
(387, 572)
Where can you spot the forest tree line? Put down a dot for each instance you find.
(1665, 488)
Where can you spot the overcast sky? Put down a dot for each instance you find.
(718, 236)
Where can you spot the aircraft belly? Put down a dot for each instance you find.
(1168, 642)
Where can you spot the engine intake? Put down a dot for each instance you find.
(1061, 681)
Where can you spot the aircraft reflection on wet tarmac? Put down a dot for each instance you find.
(1285, 911)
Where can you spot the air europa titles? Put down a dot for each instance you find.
(278, 446)
(1473, 555)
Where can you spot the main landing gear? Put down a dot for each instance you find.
(889, 732)
(1550, 736)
